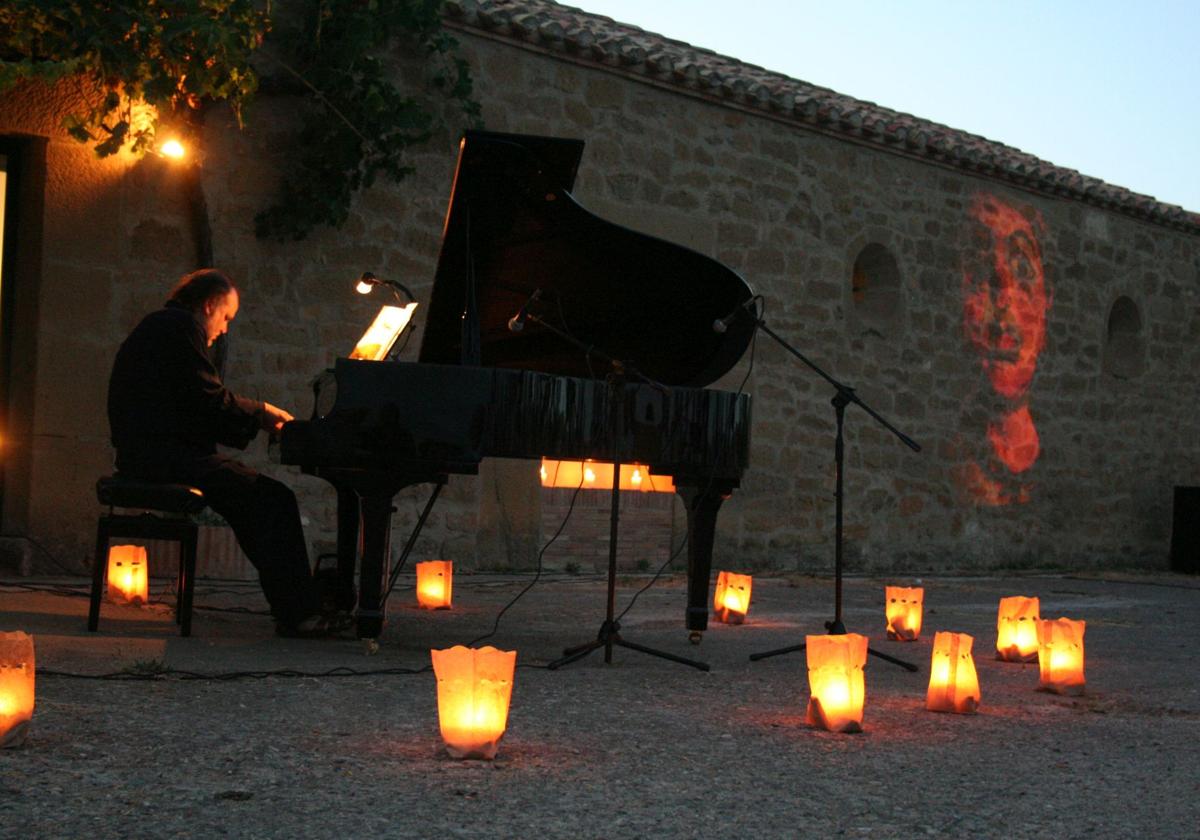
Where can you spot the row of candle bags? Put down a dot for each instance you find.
(835, 663)
(475, 685)
(474, 688)
(128, 578)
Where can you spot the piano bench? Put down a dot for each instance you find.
(163, 512)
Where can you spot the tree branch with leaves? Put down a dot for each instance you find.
(183, 56)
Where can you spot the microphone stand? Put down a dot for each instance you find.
(843, 396)
(610, 630)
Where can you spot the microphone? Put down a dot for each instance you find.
(722, 324)
(517, 322)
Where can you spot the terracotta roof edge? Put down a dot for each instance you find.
(595, 39)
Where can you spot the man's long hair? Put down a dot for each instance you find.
(196, 289)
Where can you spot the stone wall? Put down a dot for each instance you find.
(793, 211)
(651, 530)
(862, 257)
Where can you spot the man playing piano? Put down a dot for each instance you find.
(168, 410)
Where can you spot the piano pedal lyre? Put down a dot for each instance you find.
(695, 637)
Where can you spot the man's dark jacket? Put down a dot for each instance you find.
(166, 399)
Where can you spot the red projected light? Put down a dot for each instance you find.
(1005, 301)
(1015, 440)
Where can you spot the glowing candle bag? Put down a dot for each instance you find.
(903, 605)
(16, 687)
(128, 578)
(731, 601)
(953, 681)
(1016, 629)
(435, 580)
(474, 689)
(835, 681)
(1060, 655)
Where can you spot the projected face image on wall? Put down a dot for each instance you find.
(1004, 318)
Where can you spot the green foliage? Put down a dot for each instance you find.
(182, 55)
(172, 55)
(357, 123)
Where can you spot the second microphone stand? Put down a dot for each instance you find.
(843, 396)
(610, 630)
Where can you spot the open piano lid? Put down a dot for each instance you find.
(513, 228)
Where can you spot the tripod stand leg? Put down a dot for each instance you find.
(574, 649)
(754, 657)
(907, 665)
(573, 654)
(661, 654)
(610, 636)
(610, 630)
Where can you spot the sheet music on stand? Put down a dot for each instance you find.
(379, 339)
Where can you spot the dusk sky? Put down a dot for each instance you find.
(1109, 88)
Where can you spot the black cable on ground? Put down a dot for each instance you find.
(653, 580)
(49, 555)
(149, 675)
(562, 526)
(166, 673)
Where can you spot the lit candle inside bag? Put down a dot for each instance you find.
(474, 691)
(128, 574)
(835, 679)
(1016, 629)
(903, 606)
(1060, 655)
(16, 687)
(435, 583)
(731, 600)
(953, 681)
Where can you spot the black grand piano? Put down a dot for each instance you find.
(481, 389)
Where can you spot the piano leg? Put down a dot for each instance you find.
(376, 531)
(702, 504)
(348, 542)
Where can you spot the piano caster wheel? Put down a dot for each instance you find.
(695, 636)
(370, 647)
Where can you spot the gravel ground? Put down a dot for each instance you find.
(639, 748)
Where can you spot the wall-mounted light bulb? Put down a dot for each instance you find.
(173, 149)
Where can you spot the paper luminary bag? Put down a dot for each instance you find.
(731, 601)
(835, 680)
(128, 574)
(1060, 655)
(435, 584)
(953, 681)
(903, 605)
(1016, 629)
(16, 687)
(474, 688)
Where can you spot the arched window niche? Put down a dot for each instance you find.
(876, 293)
(1124, 342)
